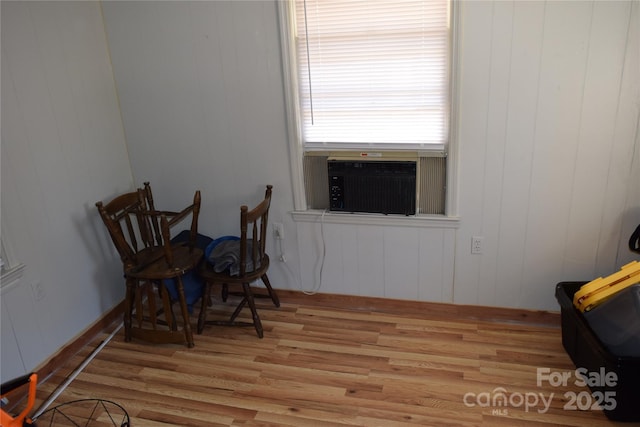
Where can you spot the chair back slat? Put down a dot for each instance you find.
(148, 225)
(243, 239)
(118, 216)
(166, 237)
(255, 248)
(256, 219)
(155, 224)
(194, 223)
(131, 232)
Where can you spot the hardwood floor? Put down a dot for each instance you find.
(322, 363)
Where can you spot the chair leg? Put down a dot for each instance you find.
(128, 307)
(272, 292)
(238, 309)
(248, 295)
(139, 295)
(151, 300)
(185, 313)
(206, 298)
(167, 307)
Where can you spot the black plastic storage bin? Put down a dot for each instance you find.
(587, 351)
(616, 322)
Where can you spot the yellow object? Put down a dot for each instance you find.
(598, 290)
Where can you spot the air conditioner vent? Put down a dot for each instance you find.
(387, 187)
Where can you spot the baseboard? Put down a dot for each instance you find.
(58, 360)
(409, 307)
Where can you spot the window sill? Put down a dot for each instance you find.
(431, 221)
(11, 276)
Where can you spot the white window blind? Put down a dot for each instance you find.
(373, 71)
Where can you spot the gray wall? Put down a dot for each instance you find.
(547, 137)
(63, 149)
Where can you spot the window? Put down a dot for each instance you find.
(366, 75)
(373, 72)
(10, 270)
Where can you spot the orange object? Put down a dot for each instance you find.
(6, 420)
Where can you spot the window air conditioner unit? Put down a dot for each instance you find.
(371, 183)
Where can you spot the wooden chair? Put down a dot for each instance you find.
(253, 263)
(152, 263)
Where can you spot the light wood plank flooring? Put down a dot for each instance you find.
(322, 363)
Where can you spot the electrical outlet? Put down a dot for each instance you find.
(476, 244)
(278, 230)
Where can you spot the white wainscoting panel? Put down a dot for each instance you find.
(549, 146)
(401, 262)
